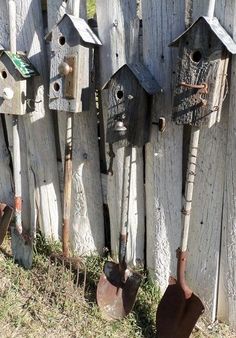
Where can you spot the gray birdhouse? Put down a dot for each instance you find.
(16, 86)
(69, 71)
(204, 50)
(128, 103)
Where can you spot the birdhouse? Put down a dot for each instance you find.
(128, 102)
(69, 70)
(204, 50)
(16, 86)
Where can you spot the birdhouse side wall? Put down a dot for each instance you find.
(11, 78)
(65, 43)
(201, 61)
(127, 102)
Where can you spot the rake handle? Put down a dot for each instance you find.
(67, 183)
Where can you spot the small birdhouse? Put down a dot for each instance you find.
(16, 86)
(128, 103)
(69, 71)
(201, 86)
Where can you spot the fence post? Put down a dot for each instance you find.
(119, 35)
(87, 224)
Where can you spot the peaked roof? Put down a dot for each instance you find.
(216, 28)
(82, 28)
(21, 63)
(143, 76)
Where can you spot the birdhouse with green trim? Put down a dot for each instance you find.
(204, 50)
(127, 102)
(16, 83)
(71, 40)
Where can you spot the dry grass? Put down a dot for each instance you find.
(49, 301)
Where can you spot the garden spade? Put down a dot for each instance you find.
(118, 285)
(179, 308)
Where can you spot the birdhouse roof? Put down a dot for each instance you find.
(216, 28)
(21, 63)
(1, 47)
(81, 28)
(143, 75)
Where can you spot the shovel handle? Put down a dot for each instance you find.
(192, 162)
(125, 206)
(181, 268)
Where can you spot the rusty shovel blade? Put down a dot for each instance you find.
(116, 296)
(176, 316)
(5, 219)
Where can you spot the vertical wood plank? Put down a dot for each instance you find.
(227, 286)
(119, 35)
(162, 22)
(87, 224)
(40, 188)
(206, 219)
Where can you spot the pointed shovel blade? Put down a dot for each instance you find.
(176, 316)
(116, 298)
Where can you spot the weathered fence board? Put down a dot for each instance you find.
(119, 35)
(205, 229)
(41, 198)
(162, 21)
(227, 287)
(87, 224)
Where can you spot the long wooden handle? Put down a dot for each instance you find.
(67, 183)
(192, 160)
(125, 205)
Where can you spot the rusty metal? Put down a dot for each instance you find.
(68, 69)
(118, 285)
(179, 308)
(202, 89)
(6, 213)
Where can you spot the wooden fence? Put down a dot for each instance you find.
(157, 169)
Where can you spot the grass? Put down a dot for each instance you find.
(91, 8)
(48, 301)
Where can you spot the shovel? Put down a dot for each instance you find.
(5, 219)
(179, 308)
(118, 285)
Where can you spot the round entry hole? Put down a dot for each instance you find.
(196, 56)
(62, 40)
(120, 94)
(4, 74)
(56, 87)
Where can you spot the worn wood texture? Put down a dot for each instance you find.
(128, 102)
(87, 224)
(227, 284)
(41, 198)
(205, 228)
(163, 158)
(119, 35)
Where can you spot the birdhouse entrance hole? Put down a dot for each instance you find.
(196, 56)
(3, 74)
(62, 40)
(120, 94)
(56, 87)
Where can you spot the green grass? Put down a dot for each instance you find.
(91, 8)
(49, 301)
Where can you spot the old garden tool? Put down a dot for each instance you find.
(5, 219)
(180, 308)
(118, 285)
(65, 256)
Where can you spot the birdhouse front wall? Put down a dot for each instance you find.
(69, 92)
(203, 61)
(127, 103)
(13, 90)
